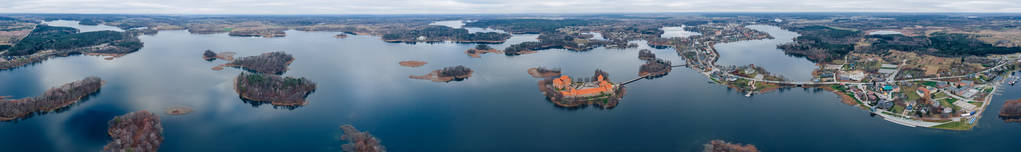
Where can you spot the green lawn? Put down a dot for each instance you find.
(897, 109)
(939, 95)
(931, 83)
(956, 125)
(910, 92)
(950, 102)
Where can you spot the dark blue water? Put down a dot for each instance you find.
(498, 109)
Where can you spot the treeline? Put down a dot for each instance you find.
(271, 62)
(136, 131)
(528, 26)
(939, 44)
(443, 33)
(281, 91)
(65, 38)
(821, 43)
(457, 71)
(52, 99)
(559, 40)
(358, 141)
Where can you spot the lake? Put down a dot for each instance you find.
(497, 109)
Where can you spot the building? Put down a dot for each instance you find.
(569, 88)
(922, 91)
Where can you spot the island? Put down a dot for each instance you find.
(412, 63)
(646, 54)
(358, 141)
(340, 36)
(655, 68)
(447, 74)
(724, 146)
(51, 100)
(277, 90)
(481, 49)
(575, 93)
(270, 63)
(541, 72)
(136, 131)
(50, 41)
(179, 110)
(1011, 111)
(209, 55)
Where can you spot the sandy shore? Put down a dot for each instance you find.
(412, 63)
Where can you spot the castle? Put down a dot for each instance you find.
(569, 88)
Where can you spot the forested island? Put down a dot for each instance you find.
(443, 33)
(358, 141)
(277, 90)
(271, 63)
(654, 68)
(48, 41)
(1011, 111)
(209, 55)
(447, 74)
(136, 131)
(481, 49)
(53, 99)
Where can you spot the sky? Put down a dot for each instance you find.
(495, 6)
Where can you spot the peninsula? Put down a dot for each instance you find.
(50, 41)
(53, 99)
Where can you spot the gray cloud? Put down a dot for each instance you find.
(496, 6)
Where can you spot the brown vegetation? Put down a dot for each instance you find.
(723, 146)
(481, 49)
(412, 63)
(359, 141)
(654, 68)
(1011, 111)
(456, 73)
(52, 99)
(136, 131)
(646, 54)
(180, 110)
(277, 90)
(209, 55)
(541, 72)
(270, 63)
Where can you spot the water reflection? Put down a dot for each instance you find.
(82, 28)
(765, 54)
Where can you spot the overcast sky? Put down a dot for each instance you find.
(495, 6)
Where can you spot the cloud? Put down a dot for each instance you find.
(496, 6)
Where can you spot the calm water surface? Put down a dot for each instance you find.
(763, 53)
(497, 109)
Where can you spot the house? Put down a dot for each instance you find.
(853, 75)
(922, 91)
